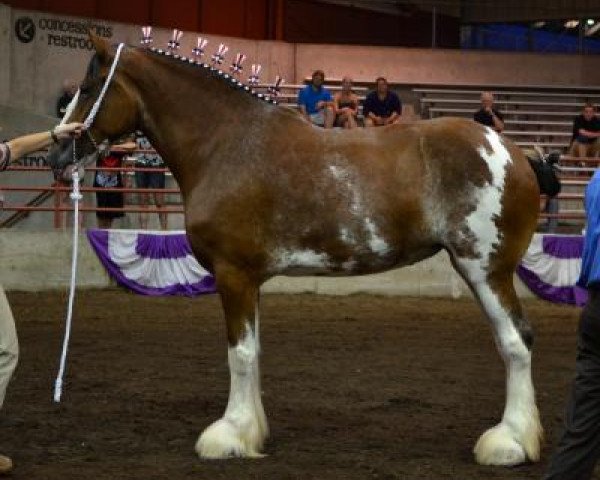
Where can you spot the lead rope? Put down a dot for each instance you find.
(76, 197)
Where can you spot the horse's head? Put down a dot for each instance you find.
(116, 116)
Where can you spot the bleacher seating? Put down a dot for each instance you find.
(540, 115)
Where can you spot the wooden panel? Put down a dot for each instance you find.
(24, 4)
(77, 8)
(131, 11)
(225, 17)
(255, 21)
(182, 14)
(308, 21)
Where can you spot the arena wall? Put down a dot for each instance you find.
(43, 49)
(37, 261)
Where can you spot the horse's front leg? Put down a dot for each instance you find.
(243, 428)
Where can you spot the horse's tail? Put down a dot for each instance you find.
(545, 170)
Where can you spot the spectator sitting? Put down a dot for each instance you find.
(69, 91)
(315, 101)
(586, 130)
(487, 115)
(346, 105)
(382, 106)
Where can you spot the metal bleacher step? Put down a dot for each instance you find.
(476, 101)
(501, 93)
(534, 133)
(505, 113)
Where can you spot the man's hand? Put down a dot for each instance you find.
(67, 130)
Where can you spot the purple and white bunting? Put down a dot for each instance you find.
(551, 267)
(162, 263)
(151, 263)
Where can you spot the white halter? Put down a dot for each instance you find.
(94, 111)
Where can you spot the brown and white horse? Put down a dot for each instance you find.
(266, 193)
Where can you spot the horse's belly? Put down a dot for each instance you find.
(307, 262)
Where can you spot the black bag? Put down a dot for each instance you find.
(545, 173)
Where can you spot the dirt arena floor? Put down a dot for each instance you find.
(356, 387)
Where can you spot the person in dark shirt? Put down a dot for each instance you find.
(586, 131)
(578, 449)
(487, 114)
(382, 106)
(69, 91)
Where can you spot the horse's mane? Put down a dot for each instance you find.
(225, 77)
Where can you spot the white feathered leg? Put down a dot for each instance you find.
(242, 430)
(517, 437)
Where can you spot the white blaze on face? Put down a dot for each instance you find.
(488, 200)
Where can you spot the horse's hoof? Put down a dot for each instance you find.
(498, 447)
(223, 440)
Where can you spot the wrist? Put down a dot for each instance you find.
(53, 135)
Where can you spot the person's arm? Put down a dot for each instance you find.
(498, 121)
(302, 104)
(368, 109)
(36, 141)
(396, 110)
(336, 103)
(354, 107)
(589, 133)
(128, 144)
(575, 129)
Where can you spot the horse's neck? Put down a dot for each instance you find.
(187, 112)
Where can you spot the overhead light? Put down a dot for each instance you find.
(539, 24)
(590, 21)
(571, 23)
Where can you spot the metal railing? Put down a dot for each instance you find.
(575, 172)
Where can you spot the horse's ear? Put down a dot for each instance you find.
(100, 45)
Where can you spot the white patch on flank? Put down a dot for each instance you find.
(488, 201)
(243, 428)
(338, 172)
(346, 236)
(301, 259)
(346, 186)
(376, 243)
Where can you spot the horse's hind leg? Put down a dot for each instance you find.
(517, 437)
(243, 428)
